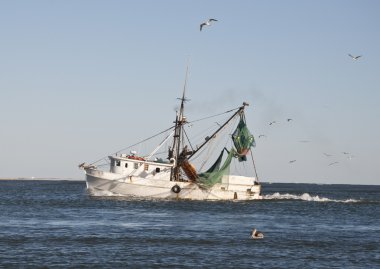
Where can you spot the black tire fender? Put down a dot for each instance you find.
(176, 188)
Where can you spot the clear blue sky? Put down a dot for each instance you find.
(81, 79)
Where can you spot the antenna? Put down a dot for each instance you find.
(184, 86)
(184, 99)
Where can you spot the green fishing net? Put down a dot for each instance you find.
(243, 140)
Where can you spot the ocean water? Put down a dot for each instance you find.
(56, 224)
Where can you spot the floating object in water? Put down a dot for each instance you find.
(256, 234)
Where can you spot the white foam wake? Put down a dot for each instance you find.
(102, 193)
(304, 197)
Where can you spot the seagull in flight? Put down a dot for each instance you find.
(272, 122)
(333, 163)
(354, 57)
(292, 161)
(207, 23)
(289, 120)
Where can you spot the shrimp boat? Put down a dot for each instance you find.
(200, 170)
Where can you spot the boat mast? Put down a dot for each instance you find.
(178, 134)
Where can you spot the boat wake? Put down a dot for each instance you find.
(103, 193)
(305, 197)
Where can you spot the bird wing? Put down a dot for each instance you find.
(351, 56)
(212, 20)
(357, 57)
(203, 24)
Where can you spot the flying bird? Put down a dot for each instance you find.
(354, 57)
(333, 163)
(292, 161)
(345, 153)
(207, 23)
(289, 119)
(272, 122)
(262, 136)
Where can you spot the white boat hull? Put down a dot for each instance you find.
(121, 185)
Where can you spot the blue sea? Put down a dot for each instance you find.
(57, 224)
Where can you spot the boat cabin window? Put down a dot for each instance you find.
(126, 165)
(158, 169)
(117, 163)
(146, 167)
(136, 165)
(112, 162)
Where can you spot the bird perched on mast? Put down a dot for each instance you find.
(207, 23)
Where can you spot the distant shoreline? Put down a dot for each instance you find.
(40, 178)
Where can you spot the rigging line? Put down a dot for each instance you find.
(199, 154)
(160, 145)
(219, 140)
(136, 144)
(188, 140)
(240, 110)
(106, 162)
(159, 153)
(208, 130)
(229, 111)
(145, 140)
(210, 150)
(204, 132)
(254, 167)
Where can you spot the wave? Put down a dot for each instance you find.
(305, 197)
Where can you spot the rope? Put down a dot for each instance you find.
(229, 111)
(135, 144)
(254, 167)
